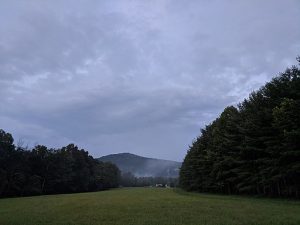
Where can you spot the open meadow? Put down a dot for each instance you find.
(147, 206)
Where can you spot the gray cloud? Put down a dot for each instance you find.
(135, 76)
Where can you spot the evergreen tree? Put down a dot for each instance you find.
(252, 149)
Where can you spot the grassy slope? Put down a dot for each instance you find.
(147, 206)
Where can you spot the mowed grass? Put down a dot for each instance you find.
(147, 206)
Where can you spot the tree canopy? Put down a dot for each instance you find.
(50, 171)
(253, 148)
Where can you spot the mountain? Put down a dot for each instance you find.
(142, 166)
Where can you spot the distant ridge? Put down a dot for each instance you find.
(143, 166)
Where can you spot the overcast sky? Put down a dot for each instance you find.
(135, 76)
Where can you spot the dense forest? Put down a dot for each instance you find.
(253, 148)
(49, 171)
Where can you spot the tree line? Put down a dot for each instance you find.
(129, 180)
(51, 171)
(253, 148)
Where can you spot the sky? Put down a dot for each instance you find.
(138, 76)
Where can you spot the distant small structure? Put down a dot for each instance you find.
(159, 185)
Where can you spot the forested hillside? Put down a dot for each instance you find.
(48, 171)
(142, 166)
(253, 148)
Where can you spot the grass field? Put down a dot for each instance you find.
(151, 206)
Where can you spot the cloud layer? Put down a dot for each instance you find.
(135, 76)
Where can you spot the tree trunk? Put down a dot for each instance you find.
(278, 188)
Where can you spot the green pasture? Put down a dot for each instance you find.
(147, 206)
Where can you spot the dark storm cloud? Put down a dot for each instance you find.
(135, 76)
